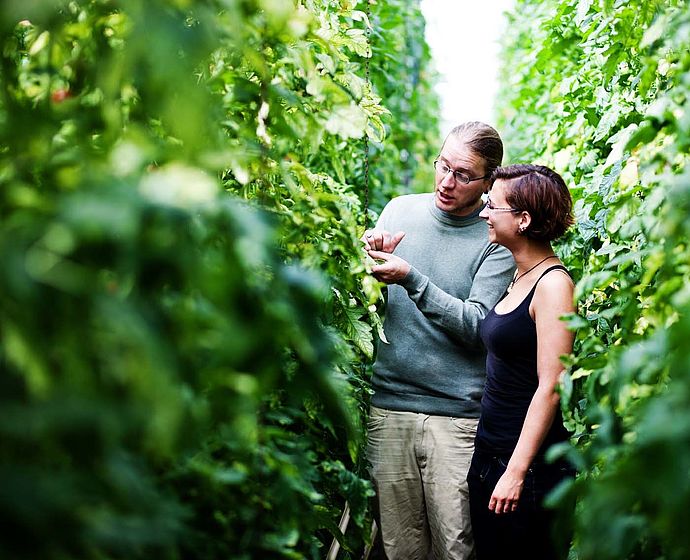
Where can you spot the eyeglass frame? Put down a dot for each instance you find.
(489, 206)
(458, 176)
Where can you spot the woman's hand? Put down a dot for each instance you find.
(506, 494)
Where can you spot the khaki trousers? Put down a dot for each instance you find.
(419, 467)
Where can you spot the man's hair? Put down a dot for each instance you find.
(542, 193)
(482, 140)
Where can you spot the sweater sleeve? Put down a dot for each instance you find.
(457, 318)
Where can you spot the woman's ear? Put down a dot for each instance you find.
(524, 222)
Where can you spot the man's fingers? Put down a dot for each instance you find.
(380, 255)
(382, 263)
(395, 239)
(373, 240)
(381, 240)
(368, 239)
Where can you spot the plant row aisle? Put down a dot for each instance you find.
(185, 317)
(598, 89)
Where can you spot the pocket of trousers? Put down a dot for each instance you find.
(377, 417)
(465, 425)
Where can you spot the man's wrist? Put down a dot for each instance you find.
(412, 280)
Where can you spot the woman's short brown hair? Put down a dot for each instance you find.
(542, 193)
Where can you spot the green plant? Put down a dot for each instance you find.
(185, 317)
(598, 90)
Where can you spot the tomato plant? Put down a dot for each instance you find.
(599, 91)
(186, 321)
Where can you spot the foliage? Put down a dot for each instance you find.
(185, 318)
(402, 74)
(599, 90)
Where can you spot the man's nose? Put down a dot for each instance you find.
(448, 180)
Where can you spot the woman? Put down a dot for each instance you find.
(529, 206)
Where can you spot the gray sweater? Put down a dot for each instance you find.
(434, 362)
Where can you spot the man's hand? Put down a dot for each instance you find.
(381, 240)
(392, 270)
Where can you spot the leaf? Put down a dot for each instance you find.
(644, 134)
(40, 43)
(583, 7)
(607, 121)
(347, 121)
(358, 331)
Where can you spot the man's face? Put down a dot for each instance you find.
(451, 195)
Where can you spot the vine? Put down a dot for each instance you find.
(186, 321)
(599, 91)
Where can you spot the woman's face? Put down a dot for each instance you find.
(501, 218)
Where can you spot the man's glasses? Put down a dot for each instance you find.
(491, 207)
(459, 176)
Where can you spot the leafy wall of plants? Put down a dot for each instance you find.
(598, 89)
(185, 316)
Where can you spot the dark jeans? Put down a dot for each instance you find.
(524, 533)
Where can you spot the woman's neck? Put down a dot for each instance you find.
(529, 254)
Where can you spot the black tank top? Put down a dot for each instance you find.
(511, 379)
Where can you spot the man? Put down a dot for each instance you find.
(443, 276)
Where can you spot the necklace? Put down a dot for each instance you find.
(530, 269)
